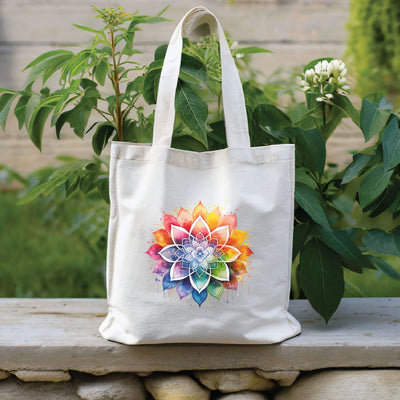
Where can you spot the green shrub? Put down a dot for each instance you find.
(373, 45)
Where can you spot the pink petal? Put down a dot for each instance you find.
(178, 234)
(185, 219)
(232, 284)
(170, 220)
(162, 267)
(154, 252)
(221, 234)
(200, 226)
(229, 220)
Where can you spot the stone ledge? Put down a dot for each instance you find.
(61, 335)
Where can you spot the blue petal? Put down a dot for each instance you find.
(199, 298)
(184, 288)
(167, 283)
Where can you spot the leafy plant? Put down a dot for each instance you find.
(327, 239)
(373, 45)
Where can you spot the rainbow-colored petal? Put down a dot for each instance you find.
(162, 237)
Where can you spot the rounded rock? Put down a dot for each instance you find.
(111, 387)
(246, 395)
(227, 381)
(175, 387)
(345, 385)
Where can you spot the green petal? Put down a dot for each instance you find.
(215, 289)
(221, 272)
(199, 283)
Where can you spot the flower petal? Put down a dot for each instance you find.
(199, 298)
(167, 283)
(245, 252)
(200, 227)
(170, 220)
(184, 288)
(221, 272)
(215, 289)
(185, 219)
(221, 234)
(162, 237)
(162, 267)
(237, 237)
(154, 252)
(177, 272)
(178, 234)
(229, 220)
(232, 283)
(200, 282)
(229, 253)
(200, 211)
(168, 253)
(214, 219)
(238, 267)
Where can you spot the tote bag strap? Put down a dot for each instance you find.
(237, 132)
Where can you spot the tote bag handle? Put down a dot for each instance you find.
(237, 132)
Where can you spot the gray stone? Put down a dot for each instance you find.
(111, 387)
(12, 389)
(4, 375)
(227, 381)
(42, 376)
(284, 378)
(246, 395)
(175, 387)
(345, 385)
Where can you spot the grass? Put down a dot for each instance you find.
(39, 259)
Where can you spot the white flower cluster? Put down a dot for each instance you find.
(326, 79)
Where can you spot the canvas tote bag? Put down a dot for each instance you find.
(199, 246)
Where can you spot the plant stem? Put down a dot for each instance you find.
(118, 114)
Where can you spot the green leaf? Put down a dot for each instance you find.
(57, 63)
(187, 142)
(135, 85)
(88, 29)
(103, 189)
(300, 234)
(373, 184)
(20, 110)
(321, 278)
(385, 267)
(344, 104)
(46, 55)
(36, 124)
(192, 70)
(151, 79)
(373, 118)
(138, 131)
(193, 111)
(100, 72)
(252, 50)
(359, 162)
(311, 202)
(310, 149)
(102, 136)
(382, 242)
(303, 177)
(391, 144)
(314, 62)
(271, 118)
(6, 100)
(340, 242)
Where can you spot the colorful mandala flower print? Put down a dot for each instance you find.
(200, 253)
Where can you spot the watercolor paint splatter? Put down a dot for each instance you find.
(200, 253)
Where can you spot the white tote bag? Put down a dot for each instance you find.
(199, 247)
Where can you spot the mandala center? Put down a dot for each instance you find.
(200, 254)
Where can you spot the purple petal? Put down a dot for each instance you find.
(184, 288)
(167, 283)
(162, 267)
(178, 272)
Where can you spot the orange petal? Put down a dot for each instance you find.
(185, 219)
(232, 284)
(200, 210)
(214, 219)
(162, 237)
(238, 267)
(246, 252)
(170, 220)
(229, 220)
(237, 237)
(221, 234)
